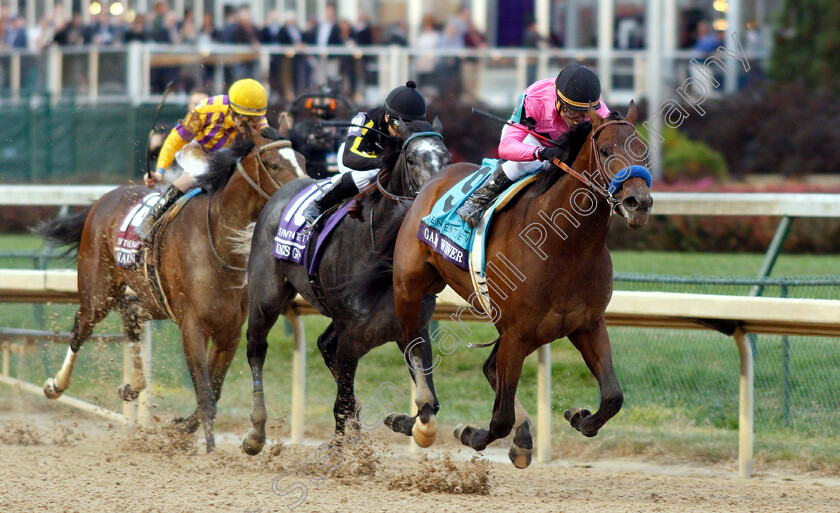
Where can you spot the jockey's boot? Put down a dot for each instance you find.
(472, 209)
(167, 199)
(343, 189)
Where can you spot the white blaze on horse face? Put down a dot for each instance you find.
(289, 154)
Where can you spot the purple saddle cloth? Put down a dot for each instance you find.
(294, 242)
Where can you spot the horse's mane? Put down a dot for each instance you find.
(573, 142)
(222, 163)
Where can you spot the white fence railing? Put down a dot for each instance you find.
(664, 310)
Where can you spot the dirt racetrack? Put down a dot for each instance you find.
(59, 460)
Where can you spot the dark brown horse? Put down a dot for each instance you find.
(549, 274)
(200, 272)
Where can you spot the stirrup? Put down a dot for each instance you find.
(472, 217)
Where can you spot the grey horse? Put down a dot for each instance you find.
(358, 294)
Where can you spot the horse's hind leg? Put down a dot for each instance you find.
(133, 317)
(522, 446)
(594, 346)
(97, 299)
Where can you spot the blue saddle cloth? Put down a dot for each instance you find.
(293, 240)
(445, 231)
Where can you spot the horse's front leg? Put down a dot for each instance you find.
(507, 357)
(261, 319)
(594, 345)
(522, 446)
(195, 338)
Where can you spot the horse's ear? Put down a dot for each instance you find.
(437, 126)
(283, 125)
(596, 118)
(632, 112)
(404, 131)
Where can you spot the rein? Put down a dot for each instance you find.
(603, 191)
(355, 210)
(254, 185)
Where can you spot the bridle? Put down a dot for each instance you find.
(603, 191)
(256, 185)
(413, 189)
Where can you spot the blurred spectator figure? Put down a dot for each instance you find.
(163, 29)
(5, 20)
(708, 40)
(98, 33)
(470, 70)
(42, 35)
(295, 73)
(327, 34)
(364, 36)
(629, 28)
(533, 39)
(226, 34)
(449, 67)
(243, 33)
(268, 34)
(160, 29)
(398, 35)
(188, 31)
(118, 28)
(71, 33)
(428, 40)
(15, 36)
(207, 35)
(362, 31)
(347, 63)
(136, 29)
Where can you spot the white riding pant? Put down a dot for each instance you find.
(193, 159)
(361, 178)
(516, 170)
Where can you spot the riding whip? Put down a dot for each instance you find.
(518, 126)
(154, 124)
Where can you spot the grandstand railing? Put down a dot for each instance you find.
(125, 73)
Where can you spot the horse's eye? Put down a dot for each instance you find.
(605, 152)
(409, 160)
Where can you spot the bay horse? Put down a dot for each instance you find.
(362, 313)
(548, 269)
(199, 270)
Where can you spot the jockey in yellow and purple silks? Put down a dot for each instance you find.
(212, 125)
(550, 107)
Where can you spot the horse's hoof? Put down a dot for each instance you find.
(575, 416)
(459, 432)
(252, 445)
(424, 434)
(520, 457)
(126, 393)
(51, 390)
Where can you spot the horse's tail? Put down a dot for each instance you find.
(64, 231)
(376, 273)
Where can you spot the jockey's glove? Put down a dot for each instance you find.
(159, 173)
(550, 153)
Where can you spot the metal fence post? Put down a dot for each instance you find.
(745, 408)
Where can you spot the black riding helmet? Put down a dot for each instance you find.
(406, 102)
(578, 87)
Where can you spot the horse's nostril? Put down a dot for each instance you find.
(630, 203)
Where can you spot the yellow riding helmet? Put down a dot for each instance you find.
(248, 97)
